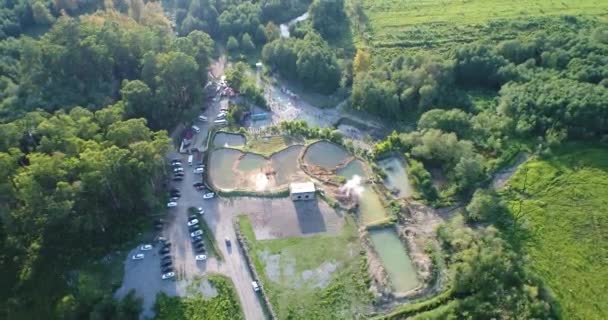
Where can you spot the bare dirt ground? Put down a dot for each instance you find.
(501, 177)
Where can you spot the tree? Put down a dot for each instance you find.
(246, 43)
(272, 32)
(232, 44)
(41, 14)
(453, 120)
(328, 17)
(484, 205)
(362, 61)
(260, 35)
(139, 100)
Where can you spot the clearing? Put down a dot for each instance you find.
(312, 277)
(438, 24)
(563, 203)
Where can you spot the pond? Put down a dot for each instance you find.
(251, 162)
(370, 206)
(396, 177)
(285, 164)
(395, 259)
(224, 139)
(220, 168)
(325, 154)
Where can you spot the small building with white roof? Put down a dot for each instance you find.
(302, 191)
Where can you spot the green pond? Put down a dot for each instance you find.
(285, 163)
(325, 154)
(370, 206)
(396, 177)
(251, 162)
(223, 139)
(395, 259)
(220, 168)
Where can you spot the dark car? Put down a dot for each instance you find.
(166, 264)
(168, 269)
(192, 216)
(167, 244)
(200, 249)
(193, 228)
(197, 239)
(197, 184)
(165, 258)
(178, 174)
(165, 250)
(178, 178)
(175, 193)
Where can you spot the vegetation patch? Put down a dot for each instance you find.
(288, 268)
(225, 305)
(268, 145)
(558, 207)
(208, 237)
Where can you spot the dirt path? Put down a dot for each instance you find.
(501, 177)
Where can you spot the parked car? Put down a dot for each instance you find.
(172, 204)
(173, 199)
(200, 257)
(228, 243)
(192, 222)
(146, 247)
(196, 233)
(178, 169)
(138, 256)
(166, 258)
(166, 270)
(167, 275)
(197, 184)
(202, 118)
(209, 195)
(167, 244)
(175, 193)
(166, 264)
(197, 239)
(200, 249)
(221, 115)
(176, 161)
(255, 286)
(193, 228)
(178, 178)
(199, 170)
(220, 122)
(196, 129)
(200, 211)
(165, 250)
(178, 174)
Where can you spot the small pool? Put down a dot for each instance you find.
(224, 139)
(370, 206)
(251, 162)
(325, 154)
(285, 164)
(395, 259)
(220, 168)
(355, 167)
(396, 177)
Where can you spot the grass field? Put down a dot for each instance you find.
(435, 24)
(312, 277)
(224, 305)
(564, 206)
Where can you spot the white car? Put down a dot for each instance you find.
(172, 204)
(199, 170)
(209, 195)
(146, 247)
(200, 257)
(192, 222)
(168, 275)
(202, 118)
(196, 233)
(196, 129)
(255, 286)
(138, 256)
(201, 211)
(178, 169)
(221, 115)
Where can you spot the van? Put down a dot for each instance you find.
(196, 129)
(190, 159)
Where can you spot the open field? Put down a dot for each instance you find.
(436, 24)
(312, 277)
(564, 206)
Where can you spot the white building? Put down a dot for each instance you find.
(302, 191)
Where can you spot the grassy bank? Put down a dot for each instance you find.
(312, 277)
(561, 201)
(224, 305)
(208, 237)
(269, 145)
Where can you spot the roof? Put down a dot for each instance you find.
(302, 187)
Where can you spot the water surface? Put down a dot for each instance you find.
(220, 168)
(395, 259)
(285, 164)
(396, 177)
(224, 139)
(325, 154)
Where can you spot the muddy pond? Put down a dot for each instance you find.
(224, 139)
(396, 179)
(395, 259)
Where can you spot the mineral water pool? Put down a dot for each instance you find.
(396, 177)
(325, 154)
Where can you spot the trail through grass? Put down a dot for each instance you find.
(564, 208)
